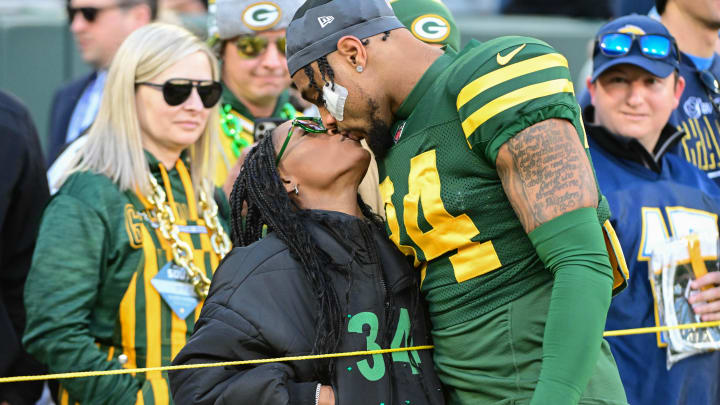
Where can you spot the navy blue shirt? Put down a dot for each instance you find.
(699, 119)
(696, 116)
(646, 191)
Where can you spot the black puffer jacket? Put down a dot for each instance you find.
(261, 306)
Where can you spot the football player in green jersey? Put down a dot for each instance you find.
(488, 188)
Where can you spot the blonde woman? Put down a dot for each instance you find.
(128, 244)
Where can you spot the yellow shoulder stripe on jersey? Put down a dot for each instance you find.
(486, 81)
(516, 97)
(621, 275)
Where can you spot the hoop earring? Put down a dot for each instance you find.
(297, 192)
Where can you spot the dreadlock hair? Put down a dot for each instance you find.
(326, 71)
(259, 189)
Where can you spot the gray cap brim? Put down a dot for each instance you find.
(309, 39)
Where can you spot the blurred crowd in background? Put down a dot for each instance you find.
(44, 155)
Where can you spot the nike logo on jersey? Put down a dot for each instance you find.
(503, 60)
(325, 20)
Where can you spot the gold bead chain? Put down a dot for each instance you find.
(182, 251)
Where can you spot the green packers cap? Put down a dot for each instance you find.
(231, 18)
(429, 20)
(319, 24)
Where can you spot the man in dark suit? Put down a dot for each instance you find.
(99, 27)
(23, 194)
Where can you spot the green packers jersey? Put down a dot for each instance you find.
(444, 201)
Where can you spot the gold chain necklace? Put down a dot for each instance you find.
(182, 251)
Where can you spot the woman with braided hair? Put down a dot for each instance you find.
(324, 279)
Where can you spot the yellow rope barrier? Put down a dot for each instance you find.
(205, 365)
(654, 329)
(81, 374)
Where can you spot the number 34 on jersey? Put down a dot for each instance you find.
(448, 233)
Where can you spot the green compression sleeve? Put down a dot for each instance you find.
(573, 249)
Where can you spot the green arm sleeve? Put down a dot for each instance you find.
(60, 296)
(573, 249)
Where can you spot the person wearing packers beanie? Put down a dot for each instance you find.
(248, 36)
(429, 21)
(488, 190)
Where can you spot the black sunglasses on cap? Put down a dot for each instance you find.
(90, 13)
(176, 91)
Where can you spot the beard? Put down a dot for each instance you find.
(378, 136)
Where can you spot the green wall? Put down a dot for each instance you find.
(37, 54)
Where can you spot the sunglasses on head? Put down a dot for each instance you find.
(176, 91)
(654, 46)
(252, 46)
(89, 13)
(313, 125)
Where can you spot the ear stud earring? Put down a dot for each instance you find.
(359, 68)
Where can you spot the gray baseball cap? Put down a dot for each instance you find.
(319, 24)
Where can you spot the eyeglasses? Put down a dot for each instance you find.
(90, 13)
(653, 46)
(313, 125)
(176, 91)
(252, 46)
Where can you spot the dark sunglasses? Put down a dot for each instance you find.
(313, 125)
(252, 46)
(176, 91)
(654, 46)
(90, 13)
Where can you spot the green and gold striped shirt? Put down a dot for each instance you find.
(89, 298)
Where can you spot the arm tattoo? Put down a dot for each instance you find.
(545, 172)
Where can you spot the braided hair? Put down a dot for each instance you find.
(326, 71)
(259, 190)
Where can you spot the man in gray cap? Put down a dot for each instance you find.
(249, 38)
(488, 189)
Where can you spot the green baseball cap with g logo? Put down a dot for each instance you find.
(429, 20)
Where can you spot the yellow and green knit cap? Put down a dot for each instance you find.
(429, 20)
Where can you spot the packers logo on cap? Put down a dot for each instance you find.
(430, 28)
(261, 16)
